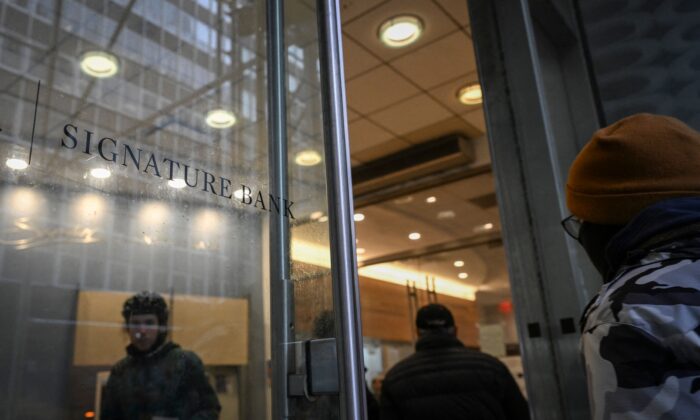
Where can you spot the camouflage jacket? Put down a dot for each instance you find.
(641, 334)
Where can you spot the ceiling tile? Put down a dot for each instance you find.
(352, 115)
(351, 9)
(356, 59)
(446, 93)
(450, 125)
(376, 89)
(411, 114)
(476, 118)
(380, 150)
(365, 29)
(365, 134)
(439, 62)
(457, 9)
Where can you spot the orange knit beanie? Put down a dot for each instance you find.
(631, 164)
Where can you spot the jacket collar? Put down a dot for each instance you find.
(437, 340)
(154, 353)
(661, 222)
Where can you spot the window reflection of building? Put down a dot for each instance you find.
(64, 230)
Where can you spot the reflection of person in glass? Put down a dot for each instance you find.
(157, 379)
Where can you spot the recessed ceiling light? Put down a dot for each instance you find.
(100, 173)
(99, 64)
(470, 94)
(18, 164)
(404, 200)
(316, 215)
(323, 219)
(431, 199)
(459, 263)
(462, 275)
(148, 240)
(359, 217)
(238, 194)
(447, 214)
(483, 228)
(414, 236)
(360, 250)
(400, 31)
(177, 183)
(220, 118)
(307, 158)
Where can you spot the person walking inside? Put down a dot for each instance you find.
(445, 380)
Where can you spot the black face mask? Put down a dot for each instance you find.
(595, 238)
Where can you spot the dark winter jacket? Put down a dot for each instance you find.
(168, 382)
(445, 380)
(641, 334)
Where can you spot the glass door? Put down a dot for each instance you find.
(165, 237)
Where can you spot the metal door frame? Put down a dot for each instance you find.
(540, 110)
(346, 301)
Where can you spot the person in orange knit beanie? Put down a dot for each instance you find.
(634, 195)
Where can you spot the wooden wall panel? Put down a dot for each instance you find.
(214, 328)
(385, 312)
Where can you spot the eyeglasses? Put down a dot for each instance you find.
(572, 226)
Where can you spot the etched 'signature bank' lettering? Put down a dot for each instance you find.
(111, 149)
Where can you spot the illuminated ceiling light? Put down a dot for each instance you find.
(431, 199)
(447, 214)
(307, 158)
(470, 94)
(153, 214)
(462, 275)
(414, 236)
(208, 221)
(404, 200)
(459, 263)
(238, 194)
(25, 201)
(316, 215)
(99, 64)
(220, 118)
(323, 219)
(483, 228)
(90, 208)
(148, 240)
(400, 31)
(360, 250)
(177, 183)
(100, 173)
(18, 164)
(358, 217)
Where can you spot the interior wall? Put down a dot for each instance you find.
(385, 312)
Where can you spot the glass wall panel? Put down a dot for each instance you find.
(310, 246)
